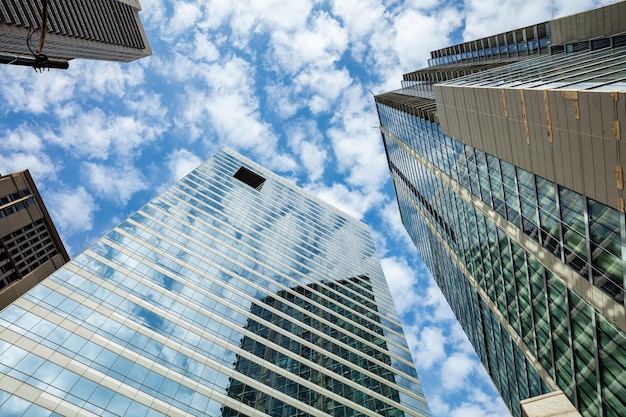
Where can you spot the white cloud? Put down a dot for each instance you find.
(152, 12)
(324, 84)
(204, 49)
(401, 279)
(115, 183)
(94, 134)
(489, 17)
(149, 105)
(356, 142)
(429, 346)
(406, 34)
(228, 109)
(106, 78)
(455, 370)
(276, 15)
(39, 164)
(323, 44)
(353, 202)
(71, 209)
(282, 99)
(181, 162)
(23, 90)
(360, 17)
(21, 139)
(185, 15)
(434, 299)
(481, 404)
(418, 33)
(393, 223)
(306, 141)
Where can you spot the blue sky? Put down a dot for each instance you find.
(287, 83)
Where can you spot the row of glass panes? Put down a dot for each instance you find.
(209, 256)
(552, 215)
(214, 237)
(516, 282)
(322, 231)
(530, 47)
(190, 196)
(382, 308)
(513, 374)
(306, 207)
(232, 299)
(585, 70)
(70, 309)
(207, 200)
(532, 299)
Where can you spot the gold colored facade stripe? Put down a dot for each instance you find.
(524, 117)
(546, 104)
(506, 111)
(569, 94)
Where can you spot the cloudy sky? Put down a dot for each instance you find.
(287, 83)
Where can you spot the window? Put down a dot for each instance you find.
(250, 178)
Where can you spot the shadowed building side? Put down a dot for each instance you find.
(30, 247)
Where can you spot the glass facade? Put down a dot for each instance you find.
(233, 293)
(593, 70)
(486, 274)
(510, 249)
(522, 42)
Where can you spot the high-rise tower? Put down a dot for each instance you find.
(107, 30)
(507, 157)
(30, 247)
(233, 293)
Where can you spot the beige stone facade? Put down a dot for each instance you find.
(554, 404)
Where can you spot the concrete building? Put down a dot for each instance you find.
(107, 30)
(30, 247)
(507, 158)
(233, 293)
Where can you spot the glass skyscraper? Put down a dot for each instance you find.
(506, 154)
(233, 293)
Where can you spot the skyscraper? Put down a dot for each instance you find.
(507, 158)
(30, 247)
(94, 29)
(233, 293)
